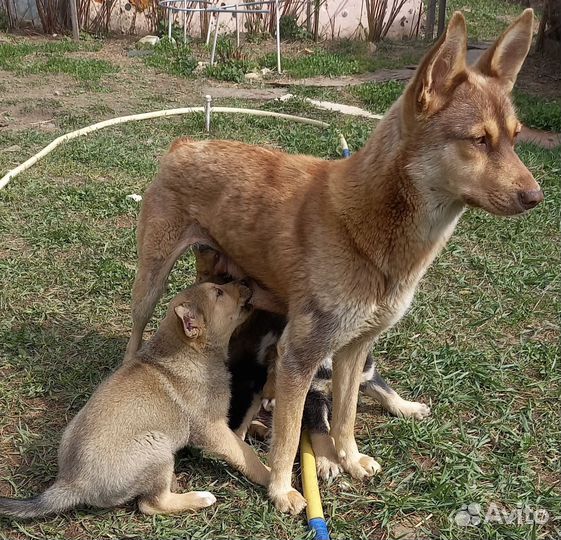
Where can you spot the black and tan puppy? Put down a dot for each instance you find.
(252, 358)
(174, 393)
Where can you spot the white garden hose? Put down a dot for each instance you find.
(146, 116)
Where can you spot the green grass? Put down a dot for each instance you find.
(378, 97)
(344, 57)
(27, 58)
(537, 112)
(486, 19)
(481, 342)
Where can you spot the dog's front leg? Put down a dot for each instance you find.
(301, 351)
(348, 364)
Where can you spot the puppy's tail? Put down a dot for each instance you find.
(57, 498)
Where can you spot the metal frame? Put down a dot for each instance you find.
(243, 8)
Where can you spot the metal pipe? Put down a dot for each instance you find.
(208, 105)
(215, 39)
(278, 36)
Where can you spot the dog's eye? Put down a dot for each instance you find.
(219, 292)
(480, 141)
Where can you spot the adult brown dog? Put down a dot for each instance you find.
(343, 244)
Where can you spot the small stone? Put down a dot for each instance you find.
(201, 66)
(252, 76)
(149, 40)
(56, 93)
(135, 197)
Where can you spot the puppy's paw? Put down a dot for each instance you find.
(411, 409)
(359, 466)
(268, 404)
(327, 468)
(289, 502)
(202, 499)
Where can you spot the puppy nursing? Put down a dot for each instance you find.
(252, 358)
(174, 393)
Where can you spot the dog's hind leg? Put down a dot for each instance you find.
(159, 499)
(376, 387)
(348, 366)
(164, 234)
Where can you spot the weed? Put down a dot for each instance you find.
(231, 70)
(291, 30)
(172, 57)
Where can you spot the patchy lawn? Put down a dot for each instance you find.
(481, 343)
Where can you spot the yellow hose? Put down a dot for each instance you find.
(314, 510)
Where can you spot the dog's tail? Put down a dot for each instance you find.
(57, 498)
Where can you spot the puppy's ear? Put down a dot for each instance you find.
(191, 319)
(442, 69)
(505, 57)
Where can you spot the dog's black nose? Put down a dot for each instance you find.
(529, 199)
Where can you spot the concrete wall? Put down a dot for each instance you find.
(338, 18)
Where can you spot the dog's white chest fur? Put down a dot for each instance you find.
(373, 318)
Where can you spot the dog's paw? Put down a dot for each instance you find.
(289, 502)
(412, 409)
(268, 404)
(360, 466)
(327, 468)
(202, 499)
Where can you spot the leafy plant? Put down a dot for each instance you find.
(290, 30)
(232, 61)
(173, 57)
(230, 70)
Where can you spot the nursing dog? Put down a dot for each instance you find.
(174, 393)
(343, 244)
(252, 356)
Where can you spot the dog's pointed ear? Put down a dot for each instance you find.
(191, 319)
(505, 57)
(441, 70)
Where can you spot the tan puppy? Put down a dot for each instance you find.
(175, 393)
(343, 244)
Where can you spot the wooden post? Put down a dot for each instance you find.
(431, 15)
(441, 16)
(74, 18)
